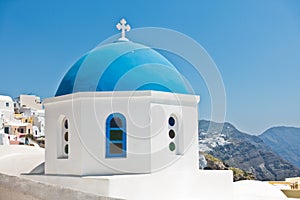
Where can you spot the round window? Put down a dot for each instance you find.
(171, 134)
(172, 146)
(171, 121)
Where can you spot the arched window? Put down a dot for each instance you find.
(63, 148)
(115, 136)
(65, 138)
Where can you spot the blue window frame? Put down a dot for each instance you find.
(115, 136)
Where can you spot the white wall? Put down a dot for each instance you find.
(54, 114)
(93, 119)
(31, 101)
(4, 139)
(185, 155)
(87, 113)
(6, 108)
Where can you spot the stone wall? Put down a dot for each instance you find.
(18, 188)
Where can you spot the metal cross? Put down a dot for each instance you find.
(123, 27)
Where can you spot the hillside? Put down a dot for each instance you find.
(216, 164)
(285, 141)
(244, 151)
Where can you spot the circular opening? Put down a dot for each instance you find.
(66, 136)
(66, 124)
(171, 121)
(171, 134)
(66, 149)
(172, 146)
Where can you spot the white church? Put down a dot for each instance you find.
(124, 117)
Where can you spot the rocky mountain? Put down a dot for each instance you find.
(285, 141)
(244, 151)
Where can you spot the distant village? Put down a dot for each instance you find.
(22, 121)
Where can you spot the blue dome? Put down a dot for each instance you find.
(122, 66)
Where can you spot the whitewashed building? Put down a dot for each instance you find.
(31, 101)
(6, 109)
(124, 117)
(31, 109)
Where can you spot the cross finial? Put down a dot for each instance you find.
(123, 27)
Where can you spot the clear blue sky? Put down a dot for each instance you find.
(255, 44)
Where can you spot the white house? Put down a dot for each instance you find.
(6, 109)
(38, 121)
(30, 101)
(124, 114)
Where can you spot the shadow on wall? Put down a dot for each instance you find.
(16, 188)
